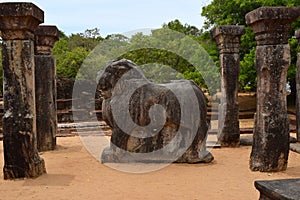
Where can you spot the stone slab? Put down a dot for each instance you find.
(286, 189)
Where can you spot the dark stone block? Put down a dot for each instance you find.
(45, 102)
(286, 189)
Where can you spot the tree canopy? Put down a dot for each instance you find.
(232, 12)
(78, 52)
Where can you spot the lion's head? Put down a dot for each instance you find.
(112, 73)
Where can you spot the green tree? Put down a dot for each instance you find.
(186, 29)
(232, 12)
(151, 54)
(203, 38)
(71, 51)
(88, 40)
(184, 49)
(70, 62)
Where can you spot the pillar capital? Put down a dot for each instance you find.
(272, 25)
(228, 38)
(19, 20)
(297, 35)
(45, 38)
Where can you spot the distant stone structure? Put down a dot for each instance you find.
(45, 84)
(271, 26)
(155, 126)
(228, 41)
(18, 21)
(297, 34)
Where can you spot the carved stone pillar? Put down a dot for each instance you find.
(271, 26)
(45, 84)
(18, 22)
(228, 41)
(297, 34)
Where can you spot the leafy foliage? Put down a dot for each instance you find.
(173, 52)
(70, 52)
(232, 12)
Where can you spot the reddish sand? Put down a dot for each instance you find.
(74, 174)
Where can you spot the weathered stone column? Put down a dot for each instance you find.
(228, 41)
(17, 24)
(271, 26)
(45, 84)
(297, 34)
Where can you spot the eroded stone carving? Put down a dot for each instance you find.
(271, 26)
(150, 122)
(18, 21)
(45, 84)
(228, 41)
(297, 34)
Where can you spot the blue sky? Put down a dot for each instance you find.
(118, 16)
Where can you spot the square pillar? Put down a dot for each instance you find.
(18, 22)
(297, 34)
(45, 84)
(271, 26)
(228, 41)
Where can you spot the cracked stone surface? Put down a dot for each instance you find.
(271, 26)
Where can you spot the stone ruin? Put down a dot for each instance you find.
(30, 112)
(27, 54)
(161, 124)
(45, 83)
(18, 23)
(271, 26)
(297, 34)
(278, 189)
(228, 41)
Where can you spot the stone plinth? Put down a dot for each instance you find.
(271, 26)
(228, 41)
(297, 34)
(17, 24)
(45, 82)
(278, 189)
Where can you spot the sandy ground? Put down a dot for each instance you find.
(73, 173)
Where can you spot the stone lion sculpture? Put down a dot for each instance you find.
(152, 122)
